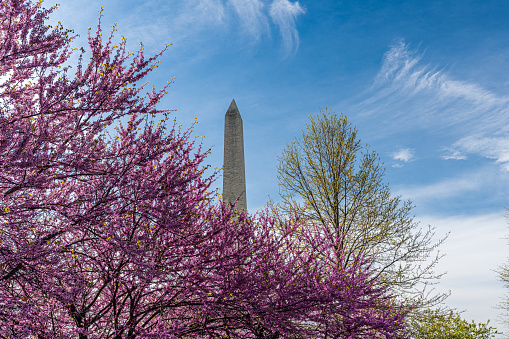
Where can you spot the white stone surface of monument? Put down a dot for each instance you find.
(234, 174)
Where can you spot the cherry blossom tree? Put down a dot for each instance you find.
(107, 229)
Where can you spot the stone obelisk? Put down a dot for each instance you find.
(234, 173)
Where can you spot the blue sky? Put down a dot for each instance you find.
(425, 83)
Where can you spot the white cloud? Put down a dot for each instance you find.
(472, 251)
(284, 13)
(193, 17)
(487, 176)
(452, 153)
(251, 16)
(410, 94)
(440, 190)
(404, 154)
(489, 147)
(190, 23)
(156, 23)
(213, 10)
(402, 70)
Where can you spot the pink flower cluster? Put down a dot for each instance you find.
(110, 233)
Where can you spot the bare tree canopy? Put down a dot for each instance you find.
(503, 275)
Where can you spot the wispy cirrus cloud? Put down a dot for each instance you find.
(403, 71)
(452, 153)
(414, 95)
(441, 190)
(284, 13)
(252, 17)
(195, 16)
(193, 22)
(210, 10)
(496, 148)
(468, 182)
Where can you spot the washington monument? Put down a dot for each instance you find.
(234, 174)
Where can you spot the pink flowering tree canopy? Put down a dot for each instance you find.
(107, 230)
